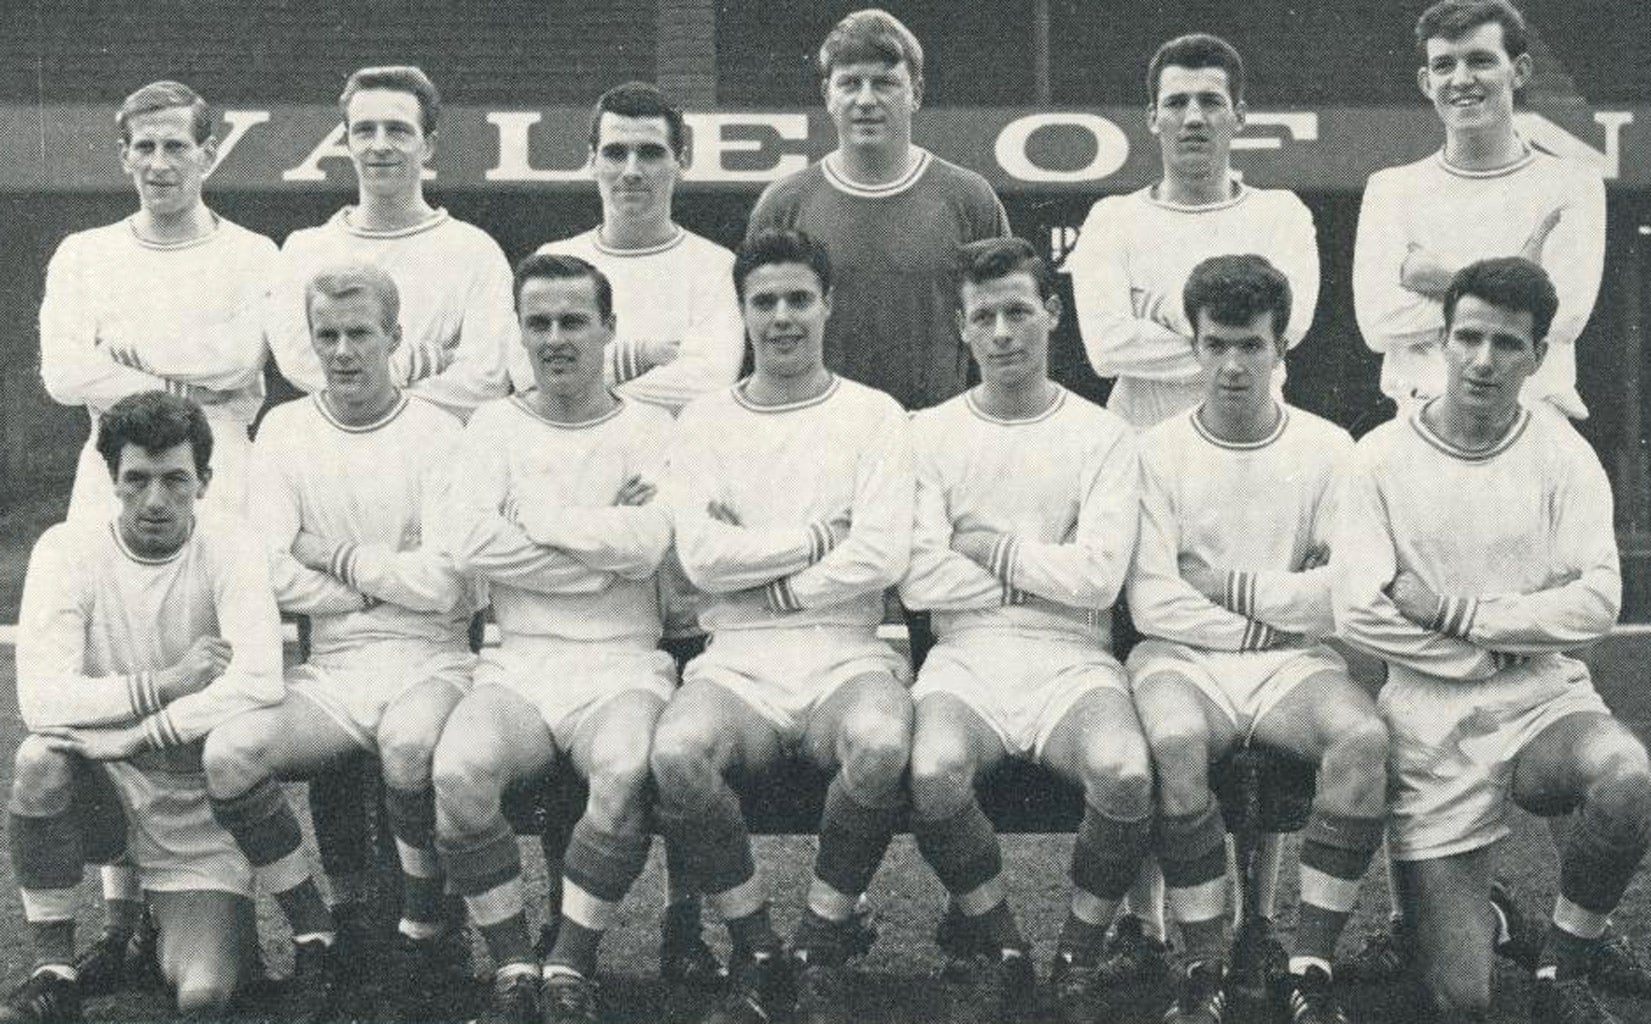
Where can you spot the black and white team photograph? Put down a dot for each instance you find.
(780, 512)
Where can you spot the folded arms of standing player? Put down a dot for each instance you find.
(1120, 339)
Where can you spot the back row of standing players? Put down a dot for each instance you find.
(108, 331)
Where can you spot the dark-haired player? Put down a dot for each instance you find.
(792, 495)
(138, 635)
(1025, 526)
(1232, 596)
(1474, 547)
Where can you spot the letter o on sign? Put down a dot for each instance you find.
(1110, 142)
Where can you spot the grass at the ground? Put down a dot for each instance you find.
(900, 980)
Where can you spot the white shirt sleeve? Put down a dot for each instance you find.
(1295, 248)
(488, 337)
(277, 510)
(712, 346)
(938, 578)
(1119, 342)
(1389, 315)
(75, 369)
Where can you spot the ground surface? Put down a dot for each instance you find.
(900, 978)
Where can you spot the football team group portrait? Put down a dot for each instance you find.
(929, 600)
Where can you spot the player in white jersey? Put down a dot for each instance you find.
(1134, 251)
(1486, 192)
(454, 280)
(1232, 597)
(792, 494)
(678, 334)
(173, 297)
(1475, 547)
(554, 510)
(348, 499)
(1025, 525)
(137, 636)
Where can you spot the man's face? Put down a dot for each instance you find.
(386, 139)
(785, 316)
(1238, 361)
(164, 161)
(349, 335)
(636, 172)
(871, 103)
(157, 493)
(1489, 351)
(1194, 118)
(1472, 80)
(1006, 324)
(564, 333)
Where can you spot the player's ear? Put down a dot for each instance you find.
(1240, 111)
(210, 148)
(1052, 306)
(205, 477)
(1422, 81)
(916, 93)
(1523, 67)
(1152, 118)
(395, 338)
(825, 88)
(1541, 350)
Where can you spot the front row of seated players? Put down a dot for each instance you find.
(791, 498)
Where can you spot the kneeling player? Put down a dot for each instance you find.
(347, 495)
(136, 638)
(1229, 589)
(554, 496)
(1475, 547)
(792, 493)
(1026, 519)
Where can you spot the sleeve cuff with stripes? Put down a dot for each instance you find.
(342, 567)
(1240, 593)
(160, 733)
(144, 693)
(1455, 616)
(821, 540)
(1002, 564)
(626, 360)
(780, 597)
(1258, 636)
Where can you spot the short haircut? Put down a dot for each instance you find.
(400, 78)
(991, 259)
(154, 421)
(1452, 19)
(781, 245)
(565, 268)
(872, 34)
(164, 95)
(1507, 282)
(347, 279)
(1235, 290)
(1198, 50)
(639, 99)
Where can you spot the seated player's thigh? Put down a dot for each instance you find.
(1552, 773)
(868, 718)
(1173, 706)
(1448, 901)
(707, 721)
(207, 944)
(1321, 709)
(292, 740)
(1099, 745)
(408, 732)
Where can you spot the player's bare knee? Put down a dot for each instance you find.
(406, 760)
(618, 789)
(942, 775)
(1180, 758)
(234, 757)
(1117, 776)
(682, 767)
(204, 998)
(467, 788)
(1362, 749)
(1621, 794)
(876, 750)
(42, 779)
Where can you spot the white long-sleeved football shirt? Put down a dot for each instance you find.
(458, 316)
(823, 491)
(98, 622)
(1059, 487)
(1461, 216)
(1131, 263)
(680, 290)
(1518, 541)
(377, 492)
(1252, 510)
(535, 518)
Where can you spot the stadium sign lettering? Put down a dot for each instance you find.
(303, 147)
